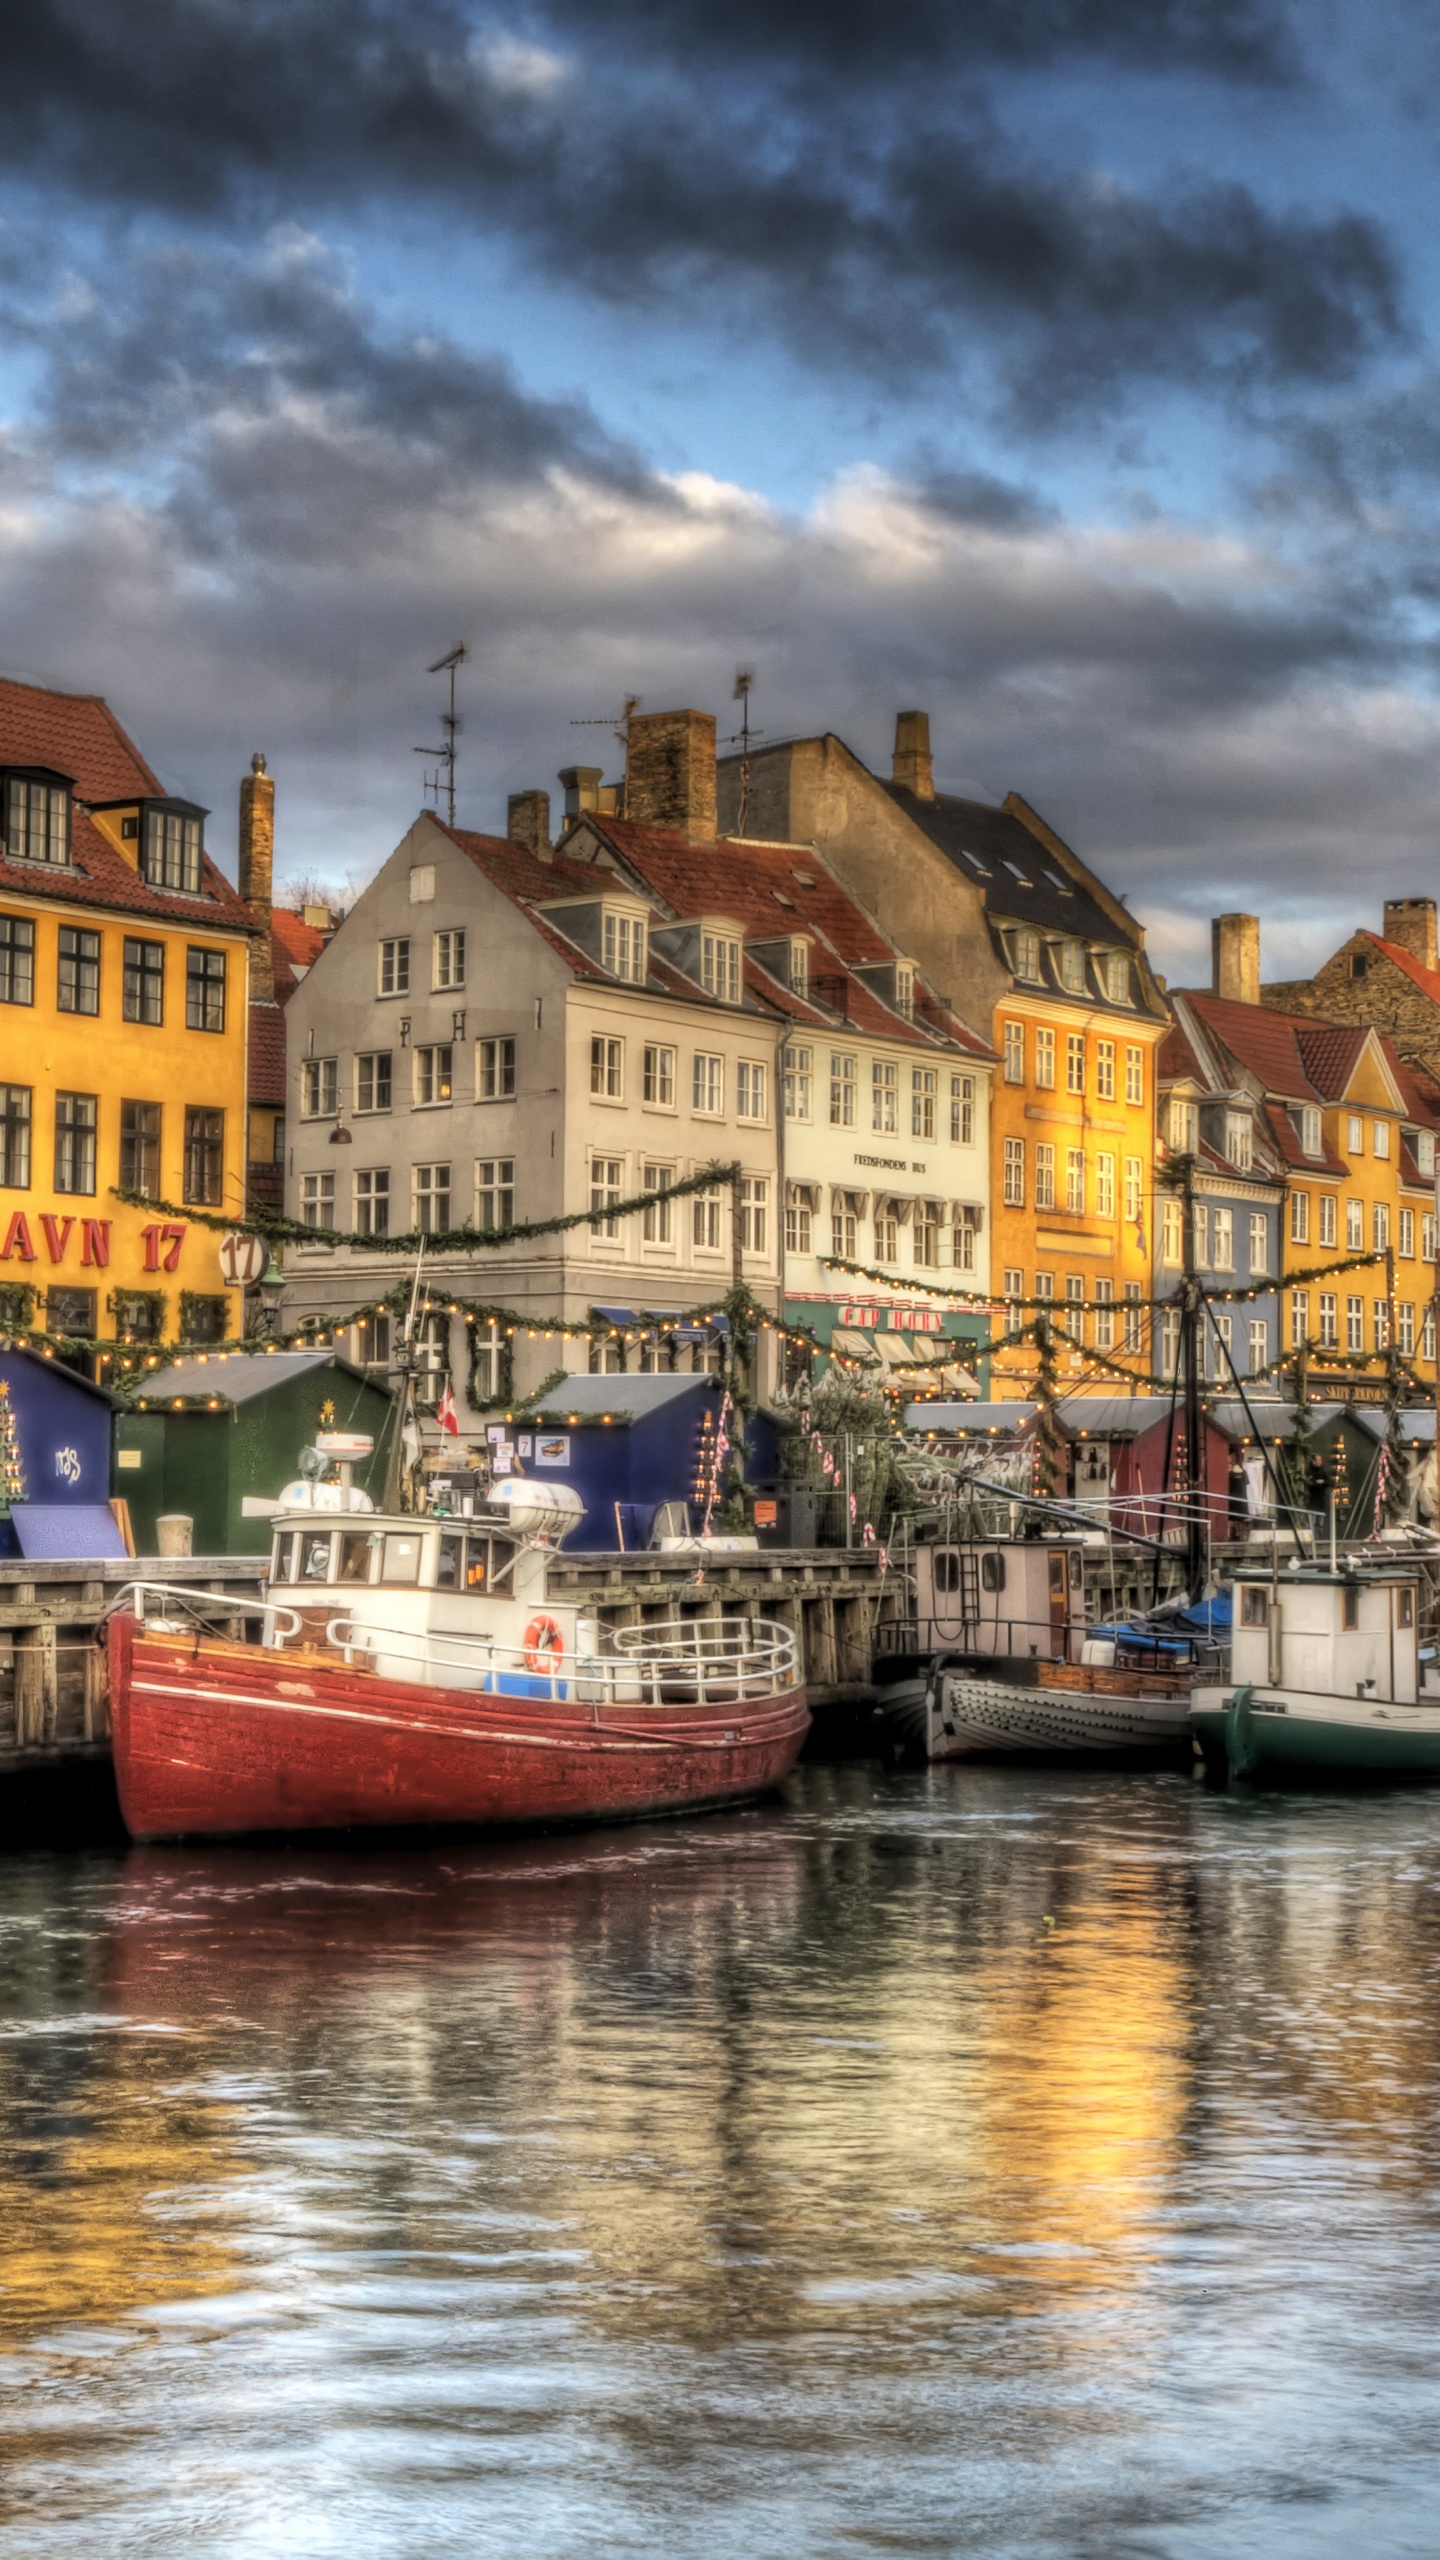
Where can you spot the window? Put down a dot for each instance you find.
(75, 1124)
(1072, 967)
(1045, 1284)
(422, 883)
(799, 1221)
(708, 1084)
(720, 967)
(799, 1084)
(799, 971)
(204, 990)
(1311, 1138)
(606, 1190)
(905, 991)
(1299, 1217)
(1407, 1235)
(1222, 1358)
(37, 820)
(1380, 1317)
(624, 947)
(1299, 1318)
(1104, 1186)
(1425, 1152)
(1200, 1231)
(1172, 1233)
(1134, 1189)
(1027, 956)
(1380, 1227)
(1354, 1324)
(842, 1092)
(1382, 1139)
(1044, 1174)
(1354, 1134)
(15, 1136)
(1104, 1316)
(1327, 1217)
(1134, 1075)
(962, 1111)
(1354, 1226)
(495, 1081)
(373, 1080)
(884, 1077)
(844, 1223)
(887, 1231)
(1075, 1062)
(1254, 1608)
(17, 960)
(1132, 1341)
(705, 1221)
(1222, 1245)
(1105, 1070)
(1014, 1173)
(754, 1212)
(750, 1089)
(1237, 1139)
(923, 1083)
(1014, 1045)
(927, 1234)
(319, 1088)
(487, 1348)
(1044, 1059)
(430, 1186)
(1427, 1236)
(78, 990)
(449, 960)
(1259, 1245)
(1329, 1320)
(607, 1068)
(494, 1193)
(394, 971)
(171, 855)
(372, 1203)
(1116, 973)
(962, 1239)
(1075, 1299)
(657, 1220)
(658, 1080)
(143, 990)
(71, 1311)
(205, 1159)
(140, 1147)
(1014, 1292)
(1075, 1181)
(1183, 1123)
(434, 1075)
(1405, 1340)
(1427, 1331)
(277, 1139)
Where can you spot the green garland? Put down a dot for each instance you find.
(276, 1229)
(982, 1305)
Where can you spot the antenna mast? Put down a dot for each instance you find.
(744, 678)
(450, 723)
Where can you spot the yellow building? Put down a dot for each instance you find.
(124, 984)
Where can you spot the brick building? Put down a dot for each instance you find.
(1390, 979)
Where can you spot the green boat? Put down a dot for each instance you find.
(1325, 1677)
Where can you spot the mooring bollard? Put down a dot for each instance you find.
(174, 1531)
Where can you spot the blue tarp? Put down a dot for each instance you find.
(54, 1529)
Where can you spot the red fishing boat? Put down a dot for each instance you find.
(410, 1670)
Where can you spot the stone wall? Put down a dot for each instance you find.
(1384, 997)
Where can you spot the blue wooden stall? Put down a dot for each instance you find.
(55, 1435)
(628, 1446)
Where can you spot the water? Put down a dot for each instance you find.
(973, 2162)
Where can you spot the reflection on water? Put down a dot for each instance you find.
(987, 2161)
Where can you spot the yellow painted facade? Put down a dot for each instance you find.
(1072, 1173)
(1382, 1202)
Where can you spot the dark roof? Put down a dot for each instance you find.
(629, 1399)
(78, 735)
(267, 1056)
(240, 1376)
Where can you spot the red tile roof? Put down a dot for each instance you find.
(267, 1057)
(1427, 980)
(294, 946)
(77, 734)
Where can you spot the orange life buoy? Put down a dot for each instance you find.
(544, 1646)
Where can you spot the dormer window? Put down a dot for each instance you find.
(720, 966)
(1027, 956)
(624, 946)
(1237, 1140)
(1310, 1134)
(1115, 969)
(905, 990)
(1072, 968)
(799, 968)
(37, 817)
(1425, 1151)
(171, 846)
(1184, 1125)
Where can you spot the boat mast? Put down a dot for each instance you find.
(1190, 1304)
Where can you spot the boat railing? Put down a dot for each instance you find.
(720, 1665)
(185, 1599)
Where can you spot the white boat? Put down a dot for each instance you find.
(1326, 1677)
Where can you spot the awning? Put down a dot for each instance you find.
(802, 1195)
(624, 1316)
(854, 1346)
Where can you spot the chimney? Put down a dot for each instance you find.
(527, 822)
(257, 863)
(910, 765)
(670, 772)
(319, 919)
(1235, 958)
(1411, 923)
(581, 786)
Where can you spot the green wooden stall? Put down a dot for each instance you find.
(213, 1430)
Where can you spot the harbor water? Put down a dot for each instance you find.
(973, 2161)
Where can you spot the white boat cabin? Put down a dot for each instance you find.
(1010, 1596)
(1333, 1634)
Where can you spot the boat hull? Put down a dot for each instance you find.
(1281, 1734)
(222, 1739)
(975, 1716)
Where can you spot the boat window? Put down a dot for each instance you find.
(502, 1556)
(314, 1557)
(282, 1569)
(402, 1558)
(477, 1565)
(1057, 1577)
(1404, 1606)
(450, 1572)
(1350, 1616)
(1254, 1607)
(992, 1572)
(947, 1569)
(356, 1549)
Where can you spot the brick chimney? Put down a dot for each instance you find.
(527, 822)
(257, 864)
(1411, 923)
(1235, 958)
(910, 765)
(670, 772)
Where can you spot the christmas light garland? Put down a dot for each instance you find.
(277, 1229)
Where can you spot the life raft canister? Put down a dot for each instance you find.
(544, 1646)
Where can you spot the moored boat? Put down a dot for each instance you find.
(1326, 1678)
(411, 1670)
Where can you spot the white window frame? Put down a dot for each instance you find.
(658, 1075)
(447, 959)
(607, 1068)
(707, 1085)
(392, 965)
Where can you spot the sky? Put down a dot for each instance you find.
(1065, 368)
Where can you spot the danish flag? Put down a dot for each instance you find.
(445, 1413)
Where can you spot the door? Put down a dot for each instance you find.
(1059, 1606)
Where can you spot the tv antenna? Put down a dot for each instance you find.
(741, 737)
(450, 723)
(621, 727)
